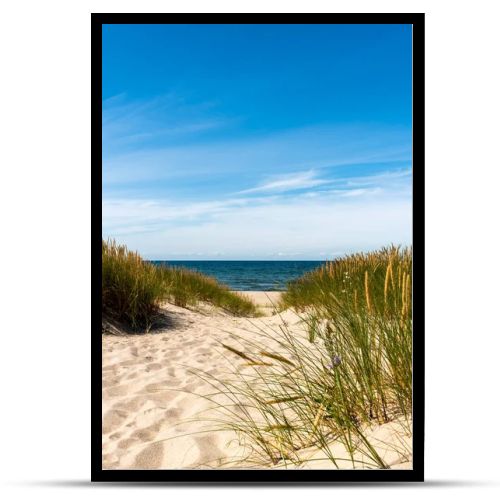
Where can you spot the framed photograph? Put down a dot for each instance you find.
(258, 247)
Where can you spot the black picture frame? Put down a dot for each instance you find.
(254, 477)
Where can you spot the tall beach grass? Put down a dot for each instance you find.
(327, 390)
(365, 302)
(133, 289)
(188, 288)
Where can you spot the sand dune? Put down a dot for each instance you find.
(152, 401)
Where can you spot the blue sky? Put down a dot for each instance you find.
(256, 141)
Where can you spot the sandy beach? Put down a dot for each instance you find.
(153, 403)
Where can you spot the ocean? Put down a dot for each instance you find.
(261, 275)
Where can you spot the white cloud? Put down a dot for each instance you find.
(349, 193)
(267, 227)
(304, 210)
(290, 182)
(315, 149)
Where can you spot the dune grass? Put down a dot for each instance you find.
(132, 289)
(330, 388)
(365, 302)
(187, 287)
(376, 282)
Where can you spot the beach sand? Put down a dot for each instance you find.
(152, 401)
(267, 301)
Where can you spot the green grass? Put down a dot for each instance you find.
(132, 289)
(345, 281)
(349, 372)
(186, 287)
(365, 301)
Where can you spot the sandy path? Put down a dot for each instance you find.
(146, 386)
(265, 300)
(149, 416)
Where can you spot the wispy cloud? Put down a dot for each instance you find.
(154, 121)
(286, 223)
(276, 228)
(169, 193)
(345, 186)
(350, 193)
(143, 215)
(242, 164)
(394, 176)
(290, 182)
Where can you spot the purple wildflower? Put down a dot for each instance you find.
(336, 360)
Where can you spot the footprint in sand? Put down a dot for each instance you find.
(110, 382)
(112, 420)
(150, 457)
(191, 387)
(152, 367)
(172, 383)
(131, 405)
(126, 443)
(161, 398)
(129, 362)
(162, 387)
(209, 452)
(119, 390)
(147, 433)
(174, 413)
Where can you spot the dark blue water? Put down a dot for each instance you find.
(249, 275)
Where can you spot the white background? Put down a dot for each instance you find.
(45, 252)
